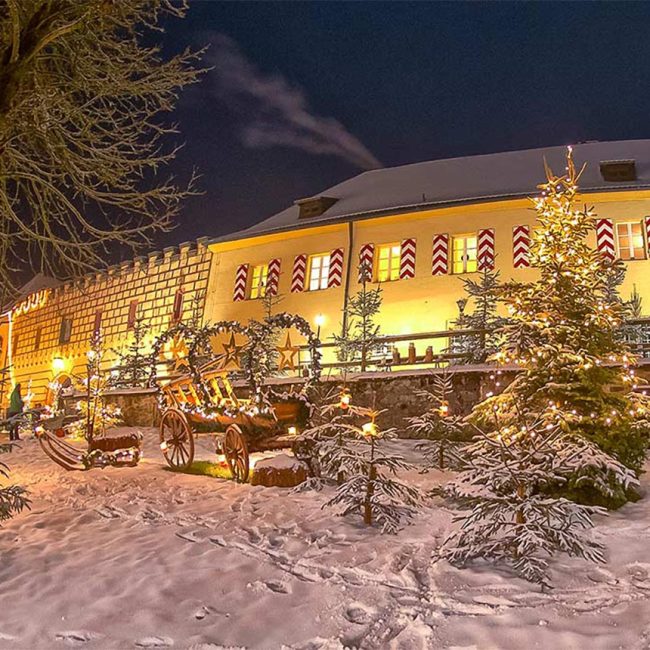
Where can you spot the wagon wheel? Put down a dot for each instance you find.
(176, 440)
(235, 450)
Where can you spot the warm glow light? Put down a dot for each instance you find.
(58, 364)
(163, 446)
(292, 431)
(370, 429)
(319, 320)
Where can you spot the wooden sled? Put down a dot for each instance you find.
(122, 451)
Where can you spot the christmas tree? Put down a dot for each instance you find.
(95, 414)
(360, 338)
(134, 362)
(508, 484)
(13, 498)
(575, 371)
(442, 429)
(370, 487)
(483, 296)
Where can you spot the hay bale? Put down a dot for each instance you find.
(280, 471)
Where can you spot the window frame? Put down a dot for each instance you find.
(132, 315)
(177, 306)
(257, 287)
(65, 331)
(464, 258)
(97, 322)
(323, 281)
(630, 238)
(394, 255)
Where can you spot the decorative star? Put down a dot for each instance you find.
(176, 350)
(288, 353)
(231, 351)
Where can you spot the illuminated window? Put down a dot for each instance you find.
(37, 338)
(388, 262)
(319, 272)
(258, 281)
(630, 241)
(463, 254)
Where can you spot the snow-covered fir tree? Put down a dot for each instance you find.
(370, 488)
(13, 498)
(510, 485)
(360, 339)
(482, 297)
(442, 429)
(96, 416)
(636, 335)
(326, 443)
(576, 371)
(133, 366)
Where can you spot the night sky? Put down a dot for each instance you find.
(304, 95)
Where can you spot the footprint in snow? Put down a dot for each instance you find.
(154, 642)
(359, 613)
(192, 535)
(278, 586)
(76, 637)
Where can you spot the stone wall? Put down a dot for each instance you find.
(396, 392)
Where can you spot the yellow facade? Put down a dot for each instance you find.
(40, 349)
(424, 303)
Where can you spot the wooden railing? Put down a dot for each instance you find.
(415, 355)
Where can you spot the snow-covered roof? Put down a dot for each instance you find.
(420, 186)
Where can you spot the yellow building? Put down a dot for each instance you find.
(423, 227)
(50, 329)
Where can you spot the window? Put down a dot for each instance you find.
(630, 241)
(133, 314)
(98, 321)
(388, 262)
(177, 310)
(464, 254)
(14, 347)
(37, 338)
(319, 272)
(258, 281)
(65, 331)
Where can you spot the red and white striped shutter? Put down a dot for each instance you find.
(440, 259)
(299, 272)
(521, 247)
(241, 279)
(273, 277)
(366, 259)
(646, 227)
(335, 277)
(486, 249)
(605, 239)
(407, 259)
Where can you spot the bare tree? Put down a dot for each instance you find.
(83, 124)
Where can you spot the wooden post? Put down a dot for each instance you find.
(428, 355)
(412, 355)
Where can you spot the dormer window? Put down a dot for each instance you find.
(618, 171)
(314, 206)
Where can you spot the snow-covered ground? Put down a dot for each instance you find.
(142, 557)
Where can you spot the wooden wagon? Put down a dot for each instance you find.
(202, 400)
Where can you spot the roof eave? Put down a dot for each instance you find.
(415, 207)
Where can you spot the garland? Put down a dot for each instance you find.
(201, 356)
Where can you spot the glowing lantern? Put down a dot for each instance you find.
(58, 365)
